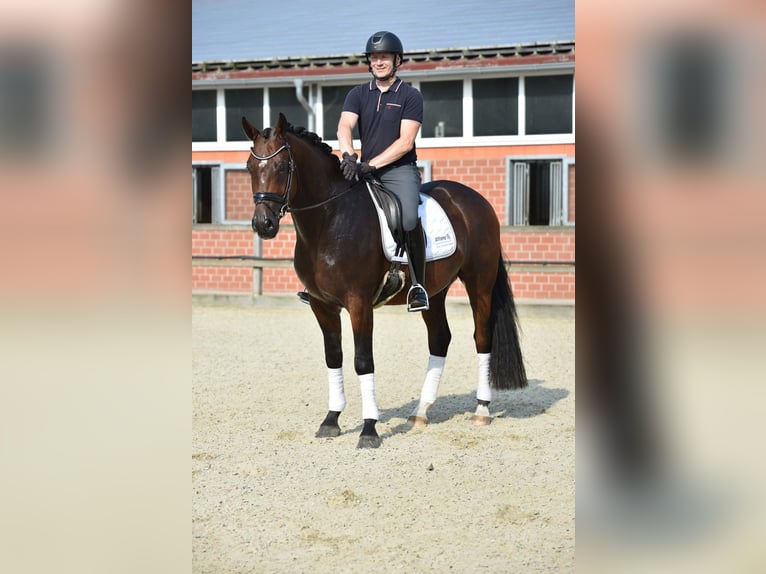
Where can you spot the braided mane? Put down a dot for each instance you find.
(309, 137)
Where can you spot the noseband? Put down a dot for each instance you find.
(282, 200)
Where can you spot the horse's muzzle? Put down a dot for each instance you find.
(265, 225)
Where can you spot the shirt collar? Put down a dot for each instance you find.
(394, 87)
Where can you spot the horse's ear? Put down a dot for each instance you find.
(281, 126)
(250, 130)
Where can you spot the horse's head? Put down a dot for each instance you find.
(271, 167)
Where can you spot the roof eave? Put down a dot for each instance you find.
(352, 61)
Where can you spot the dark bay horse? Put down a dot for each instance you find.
(340, 259)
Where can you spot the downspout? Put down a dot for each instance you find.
(306, 106)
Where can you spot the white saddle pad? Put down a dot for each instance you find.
(440, 236)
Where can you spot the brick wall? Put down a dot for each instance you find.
(543, 286)
(217, 241)
(534, 282)
(538, 244)
(239, 195)
(484, 169)
(486, 175)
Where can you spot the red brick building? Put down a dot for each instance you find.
(499, 118)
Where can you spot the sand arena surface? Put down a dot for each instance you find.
(267, 496)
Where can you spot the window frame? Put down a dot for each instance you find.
(415, 78)
(566, 162)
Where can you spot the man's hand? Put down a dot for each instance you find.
(348, 165)
(365, 168)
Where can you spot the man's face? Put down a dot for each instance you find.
(382, 64)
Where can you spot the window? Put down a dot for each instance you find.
(202, 194)
(203, 116)
(248, 103)
(509, 106)
(548, 104)
(332, 103)
(424, 167)
(536, 194)
(496, 107)
(283, 100)
(206, 194)
(442, 109)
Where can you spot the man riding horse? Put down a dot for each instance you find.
(388, 113)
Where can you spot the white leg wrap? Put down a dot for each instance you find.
(483, 392)
(433, 377)
(430, 387)
(369, 406)
(337, 400)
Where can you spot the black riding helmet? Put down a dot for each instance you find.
(384, 42)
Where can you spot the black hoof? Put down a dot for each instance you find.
(369, 442)
(329, 427)
(328, 431)
(369, 437)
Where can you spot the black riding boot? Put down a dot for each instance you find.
(415, 243)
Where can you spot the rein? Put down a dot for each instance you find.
(326, 201)
(284, 200)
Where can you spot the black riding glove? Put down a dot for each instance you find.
(364, 168)
(348, 165)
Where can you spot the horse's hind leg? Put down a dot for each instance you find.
(481, 304)
(329, 321)
(439, 337)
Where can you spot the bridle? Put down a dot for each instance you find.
(284, 200)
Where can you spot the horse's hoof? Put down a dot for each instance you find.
(481, 416)
(481, 420)
(367, 441)
(419, 417)
(328, 431)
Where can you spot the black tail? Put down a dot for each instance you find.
(506, 367)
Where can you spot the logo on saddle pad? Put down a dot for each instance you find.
(440, 236)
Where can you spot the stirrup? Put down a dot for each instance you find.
(303, 297)
(417, 299)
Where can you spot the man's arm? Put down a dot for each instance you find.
(408, 131)
(346, 126)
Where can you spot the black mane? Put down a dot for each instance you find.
(309, 137)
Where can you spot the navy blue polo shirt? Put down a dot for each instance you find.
(380, 114)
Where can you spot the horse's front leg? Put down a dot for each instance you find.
(328, 318)
(361, 322)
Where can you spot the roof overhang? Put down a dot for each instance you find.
(518, 57)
